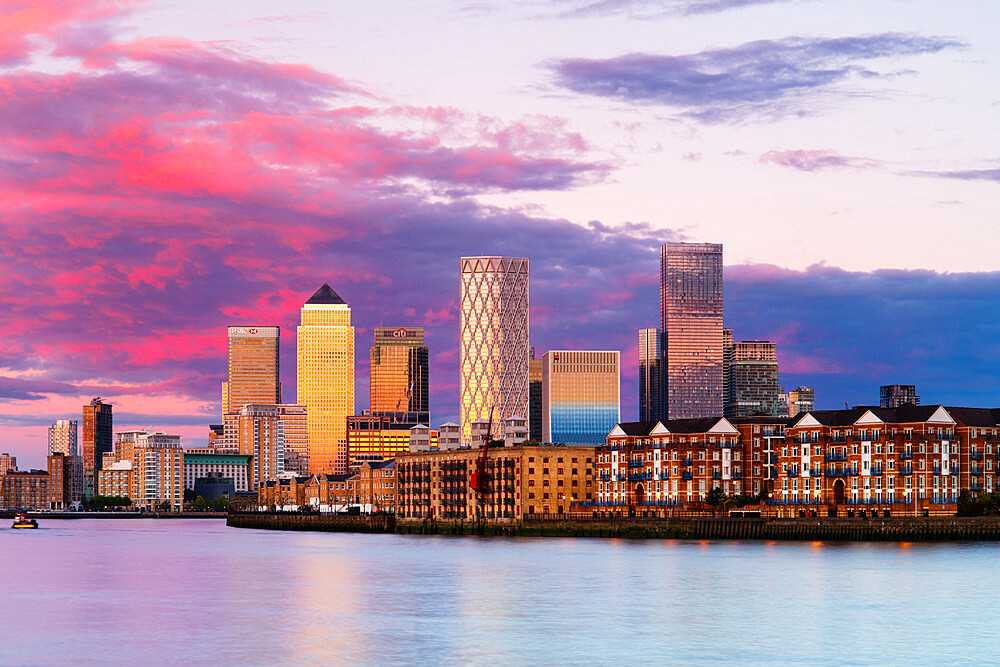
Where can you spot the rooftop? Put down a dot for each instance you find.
(325, 296)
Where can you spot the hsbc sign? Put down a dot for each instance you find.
(263, 332)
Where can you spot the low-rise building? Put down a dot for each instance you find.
(115, 480)
(375, 486)
(522, 480)
(25, 490)
(238, 467)
(331, 493)
(653, 467)
(284, 494)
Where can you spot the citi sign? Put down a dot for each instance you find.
(399, 333)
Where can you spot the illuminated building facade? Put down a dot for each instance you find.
(398, 371)
(96, 441)
(325, 341)
(261, 435)
(7, 462)
(650, 400)
(691, 329)
(752, 380)
(580, 396)
(374, 436)
(63, 437)
(493, 340)
(253, 375)
(801, 399)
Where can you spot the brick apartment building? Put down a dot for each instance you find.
(522, 480)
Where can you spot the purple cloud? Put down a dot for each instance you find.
(815, 160)
(762, 79)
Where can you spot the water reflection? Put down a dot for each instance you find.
(197, 592)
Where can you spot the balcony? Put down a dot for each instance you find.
(906, 470)
(836, 471)
(976, 456)
(636, 463)
(716, 475)
(906, 455)
(837, 438)
(792, 472)
(835, 457)
(620, 477)
(605, 477)
(640, 476)
(976, 472)
(876, 471)
(737, 474)
(687, 474)
(662, 503)
(663, 475)
(976, 486)
(687, 460)
(937, 470)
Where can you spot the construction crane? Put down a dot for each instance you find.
(478, 483)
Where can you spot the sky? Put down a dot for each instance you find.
(170, 167)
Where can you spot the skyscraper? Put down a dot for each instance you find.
(801, 399)
(534, 397)
(493, 341)
(691, 329)
(649, 376)
(753, 380)
(261, 435)
(580, 396)
(398, 372)
(253, 375)
(63, 437)
(895, 395)
(325, 341)
(97, 439)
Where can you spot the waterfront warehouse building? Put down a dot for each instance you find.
(325, 343)
(580, 396)
(523, 480)
(493, 341)
(398, 372)
(691, 330)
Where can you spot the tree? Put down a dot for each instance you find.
(164, 506)
(190, 495)
(200, 503)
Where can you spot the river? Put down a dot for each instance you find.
(196, 592)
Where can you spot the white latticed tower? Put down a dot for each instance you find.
(493, 347)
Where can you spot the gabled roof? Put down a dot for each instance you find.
(869, 414)
(678, 426)
(634, 428)
(325, 296)
(381, 465)
(979, 417)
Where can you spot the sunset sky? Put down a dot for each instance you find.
(171, 167)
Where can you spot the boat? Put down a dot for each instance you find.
(21, 520)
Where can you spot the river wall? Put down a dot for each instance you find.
(826, 529)
(41, 516)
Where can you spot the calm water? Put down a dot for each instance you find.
(194, 591)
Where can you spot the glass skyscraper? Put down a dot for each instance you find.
(691, 329)
(580, 396)
(398, 372)
(752, 380)
(96, 441)
(493, 341)
(325, 342)
(649, 375)
(253, 376)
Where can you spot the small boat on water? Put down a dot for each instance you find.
(21, 520)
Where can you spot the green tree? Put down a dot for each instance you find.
(190, 495)
(201, 504)
(164, 506)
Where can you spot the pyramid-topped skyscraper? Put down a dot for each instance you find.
(325, 342)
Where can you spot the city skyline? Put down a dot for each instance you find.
(128, 249)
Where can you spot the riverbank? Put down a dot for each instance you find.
(9, 514)
(932, 529)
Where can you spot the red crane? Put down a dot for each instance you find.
(478, 483)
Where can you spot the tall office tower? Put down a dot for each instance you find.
(534, 397)
(326, 378)
(753, 381)
(895, 395)
(691, 329)
(398, 372)
(253, 375)
(493, 341)
(261, 435)
(581, 402)
(62, 437)
(7, 462)
(650, 399)
(97, 440)
(801, 399)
